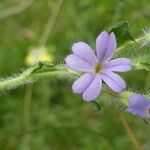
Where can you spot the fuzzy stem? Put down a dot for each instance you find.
(137, 63)
(44, 70)
(35, 73)
(23, 79)
(130, 43)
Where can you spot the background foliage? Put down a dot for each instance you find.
(47, 115)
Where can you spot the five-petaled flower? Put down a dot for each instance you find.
(97, 67)
(139, 106)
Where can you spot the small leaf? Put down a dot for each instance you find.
(47, 63)
(97, 105)
(145, 121)
(41, 64)
(122, 32)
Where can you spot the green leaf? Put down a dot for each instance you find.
(97, 105)
(122, 32)
(40, 64)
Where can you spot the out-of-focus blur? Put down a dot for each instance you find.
(47, 114)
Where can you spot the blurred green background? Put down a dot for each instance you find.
(47, 115)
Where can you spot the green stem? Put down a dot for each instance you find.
(36, 73)
(130, 43)
(23, 79)
(137, 62)
(44, 70)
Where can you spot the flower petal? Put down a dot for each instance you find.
(119, 65)
(82, 83)
(101, 45)
(76, 63)
(114, 81)
(112, 45)
(105, 46)
(139, 106)
(84, 51)
(93, 90)
(138, 101)
(138, 113)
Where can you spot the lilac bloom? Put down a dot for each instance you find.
(97, 67)
(139, 106)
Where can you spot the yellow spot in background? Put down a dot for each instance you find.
(38, 54)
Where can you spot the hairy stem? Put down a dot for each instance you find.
(37, 72)
(130, 43)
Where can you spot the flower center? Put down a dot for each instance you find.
(98, 68)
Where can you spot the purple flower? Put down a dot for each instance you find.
(97, 67)
(139, 106)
